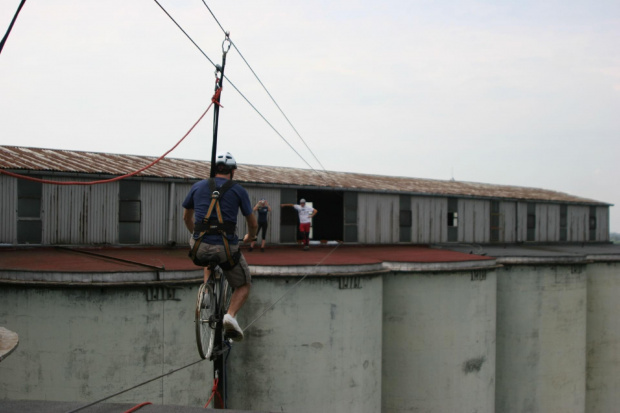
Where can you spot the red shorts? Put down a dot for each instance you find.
(305, 227)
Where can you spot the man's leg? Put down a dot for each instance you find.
(239, 296)
(207, 274)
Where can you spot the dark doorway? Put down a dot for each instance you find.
(329, 222)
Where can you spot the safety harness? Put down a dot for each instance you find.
(213, 226)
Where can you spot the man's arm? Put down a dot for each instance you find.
(314, 212)
(252, 228)
(286, 205)
(188, 218)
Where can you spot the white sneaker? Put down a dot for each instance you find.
(232, 329)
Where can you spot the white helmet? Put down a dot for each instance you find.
(225, 159)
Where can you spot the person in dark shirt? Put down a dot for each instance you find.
(235, 198)
(263, 209)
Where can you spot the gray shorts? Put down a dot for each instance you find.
(239, 275)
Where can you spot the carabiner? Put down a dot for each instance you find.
(226, 43)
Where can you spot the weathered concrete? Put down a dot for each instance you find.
(318, 349)
(541, 338)
(603, 337)
(83, 344)
(38, 406)
(8, 342)
(439, 341)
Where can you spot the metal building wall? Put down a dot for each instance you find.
(8, 210)
(272, 196)
(378, 218)
(79, 214)
(547, 222)
(602, 223)
(521, 224)
(474, 221)
(181, 235)
(508, 221)
(154, 197)
(429, 220)
(578, 217)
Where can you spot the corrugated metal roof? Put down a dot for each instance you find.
(53, 160)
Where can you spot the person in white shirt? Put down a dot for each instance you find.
(306, 213)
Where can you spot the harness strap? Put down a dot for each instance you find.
(215, 202)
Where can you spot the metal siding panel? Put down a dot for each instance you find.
(102, 214)
(541, 222)
(8, 209)
(154, 204)
(602, 223)
(378, 218)
(62, 213)
(79, 214)
(272, 196)
(474, 221)
(429, 222)
(466, 220)
(508, 217)
(577, 217)
(521, 221)
(181, 235)
(482, 221)
(549, 222)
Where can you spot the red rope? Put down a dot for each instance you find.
(216, 96)
(214, 392)
(139, 406)
(118, 178)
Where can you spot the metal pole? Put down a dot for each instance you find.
(219, 81)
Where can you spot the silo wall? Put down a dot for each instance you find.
(541, 337)
(87, 343)
(603, 337)
(439, 340)
(315, 347)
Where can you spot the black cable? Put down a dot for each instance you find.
(264, 87)
(235, 87)
(6, 36)
(134, 387)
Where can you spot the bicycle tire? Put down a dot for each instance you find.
(204, 316)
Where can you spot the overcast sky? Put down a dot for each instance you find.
(522, 93)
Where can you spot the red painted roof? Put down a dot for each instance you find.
(51, 259)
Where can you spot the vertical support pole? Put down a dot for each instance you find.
(219, 367)
(219, 81)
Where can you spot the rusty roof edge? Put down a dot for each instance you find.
(279, 176)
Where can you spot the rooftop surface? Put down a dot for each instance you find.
(139, 265)
(53, 160)
(128, 259)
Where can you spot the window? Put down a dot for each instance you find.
(531, 222)
(129, 212)
(495, 221)
(453, 219)
(405, 219)
(592, 223)
(29, 225)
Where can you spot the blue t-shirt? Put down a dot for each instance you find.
(235, 199)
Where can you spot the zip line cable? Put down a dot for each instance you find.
(235, 87)
(134, 387)
(264, 87)
(6, 36)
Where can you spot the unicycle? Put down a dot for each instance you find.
(211, 306)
